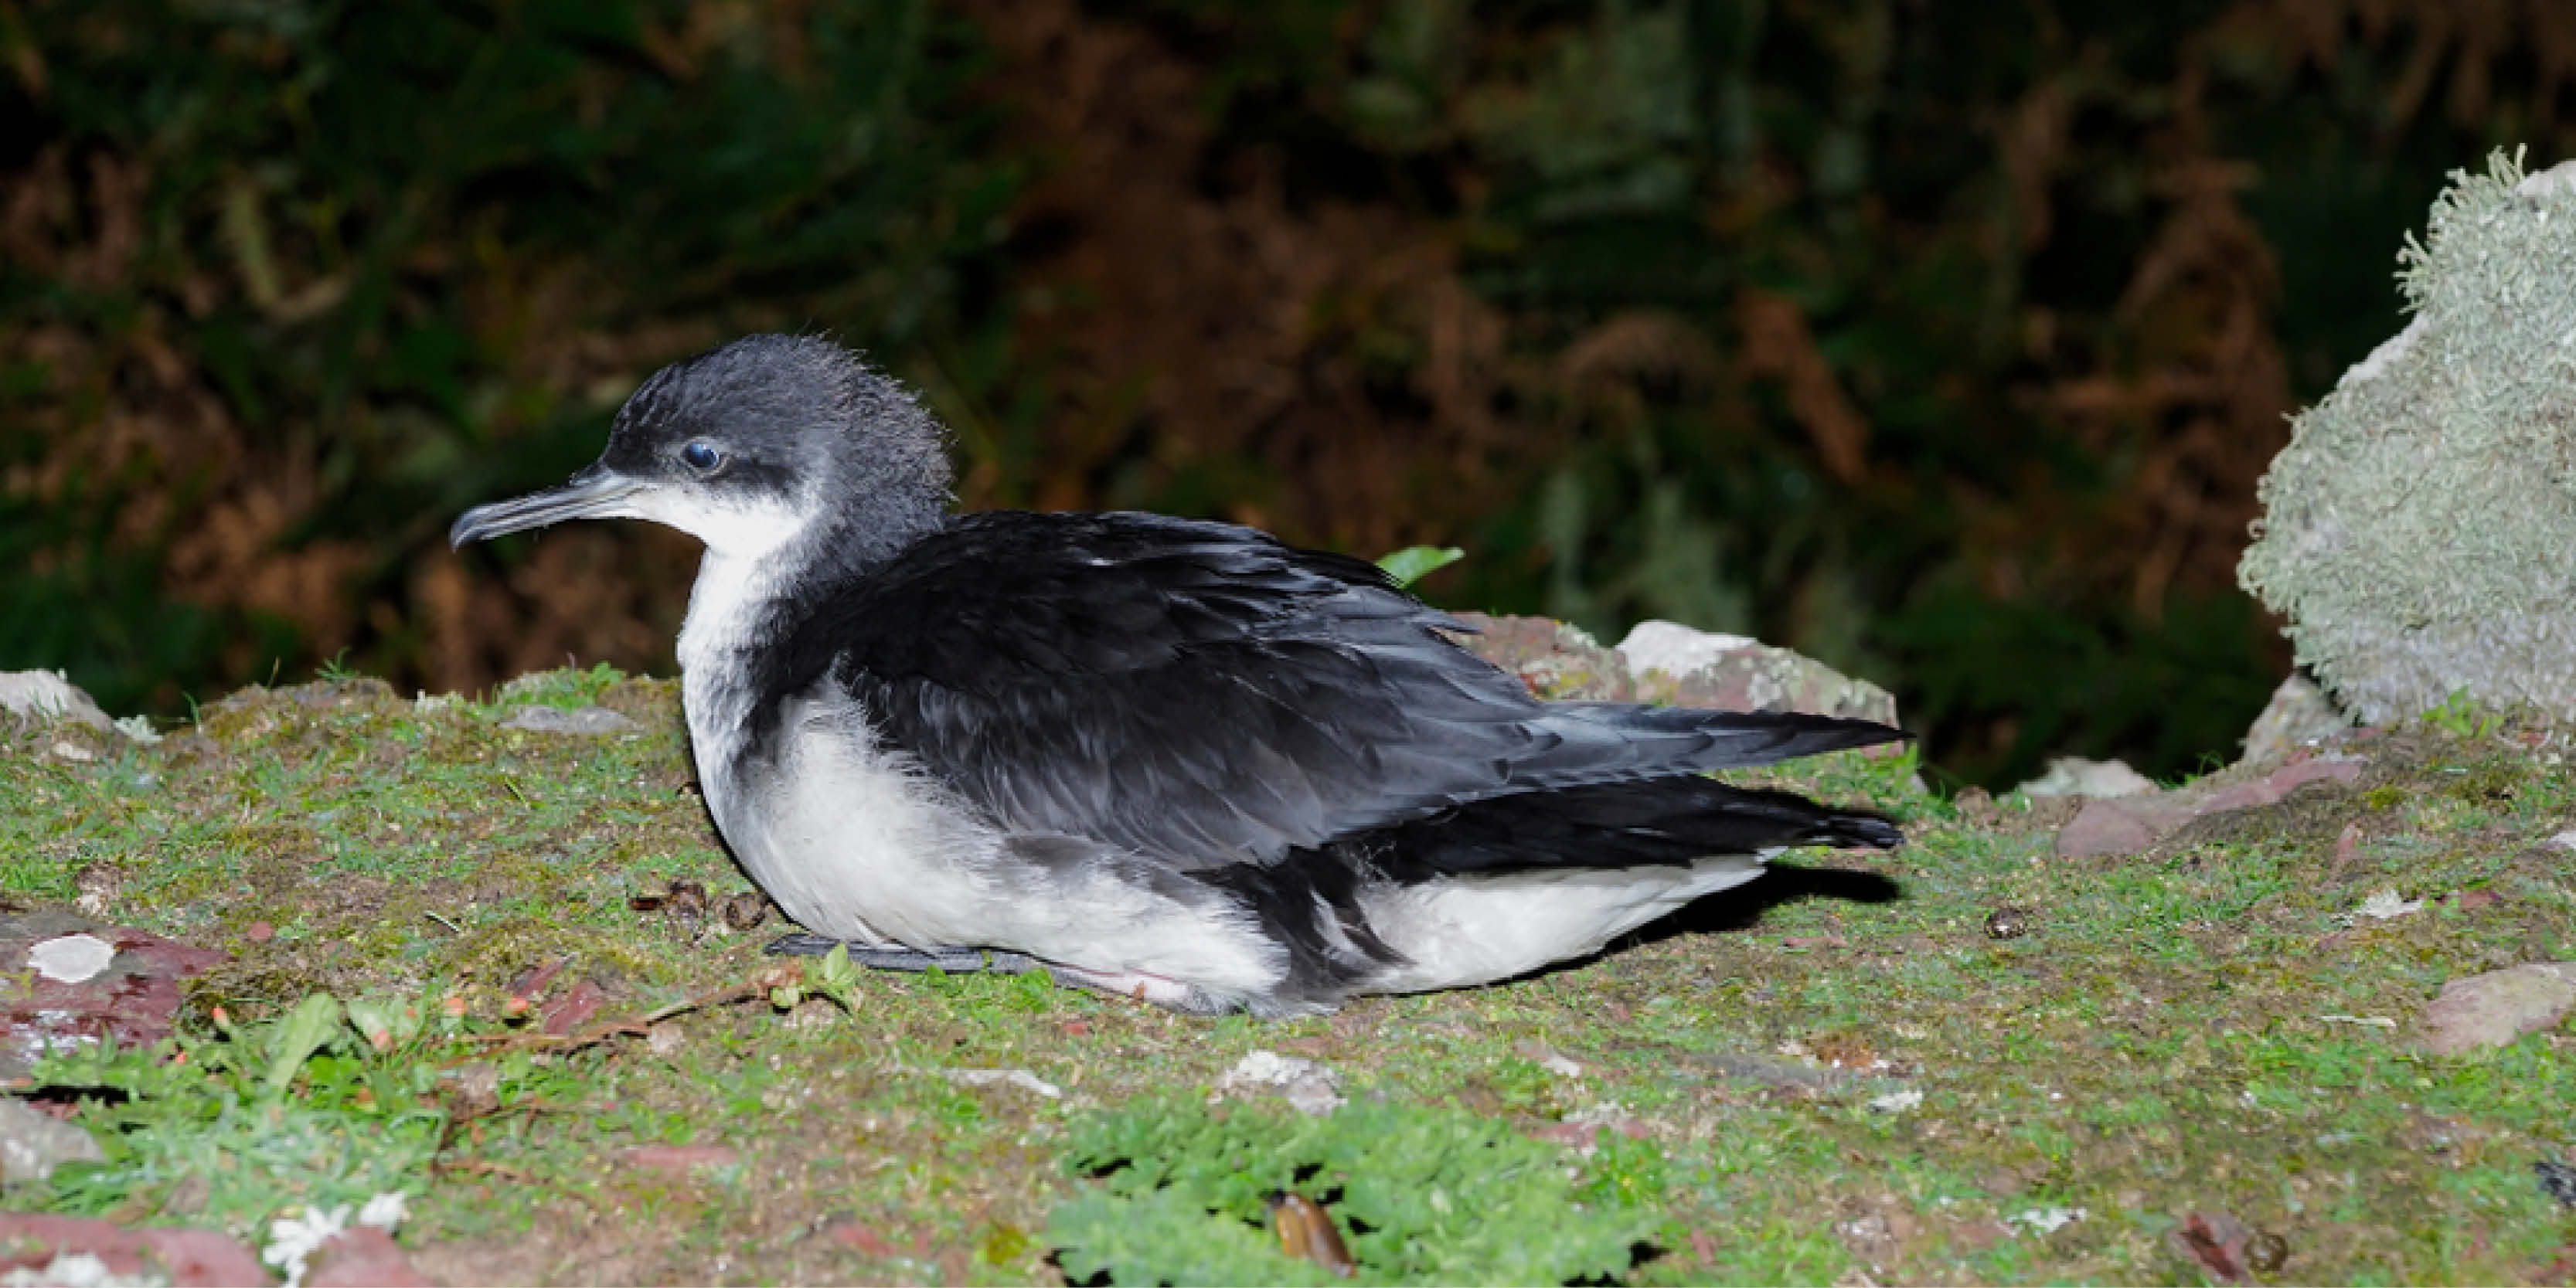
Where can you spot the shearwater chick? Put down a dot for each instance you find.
(1164, 758)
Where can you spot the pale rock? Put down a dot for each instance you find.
(2098, 779)
(2299, 715)
(32, 1142)
(2493, 1009)
(587, 722)
(1308, 1087)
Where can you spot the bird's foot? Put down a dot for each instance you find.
(953, 959)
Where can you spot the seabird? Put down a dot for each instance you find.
(1169, 759)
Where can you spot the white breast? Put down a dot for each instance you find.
(848, 836)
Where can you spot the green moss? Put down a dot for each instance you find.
(2160, 1042)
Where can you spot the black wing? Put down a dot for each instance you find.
(1200, 692)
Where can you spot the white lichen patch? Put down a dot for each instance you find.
(71, 959)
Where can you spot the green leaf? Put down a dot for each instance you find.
(1413, 563)
(837, 979)
(297, 1037)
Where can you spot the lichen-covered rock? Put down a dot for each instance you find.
(1556, 661)
(1732, 673)
(1667, 663)
(47, 695)
(2416, 531)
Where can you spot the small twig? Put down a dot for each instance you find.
(640, 1026)
(451, 926)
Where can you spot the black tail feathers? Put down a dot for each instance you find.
(1617, 825)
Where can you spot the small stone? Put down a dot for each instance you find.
(32, 1142)
(1309, 1088)
(2009, 923)
(95, 886)
(73, 752)
(2047, 1220)
(1020, 1078)
(586, 722)
(260, 932)
(2493, 1009)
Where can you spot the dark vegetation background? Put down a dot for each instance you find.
(1944, 341)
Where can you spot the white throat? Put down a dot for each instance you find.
(716, 640)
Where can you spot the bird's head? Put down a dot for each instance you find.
(767, 442)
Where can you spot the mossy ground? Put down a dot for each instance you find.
(2186, 1030)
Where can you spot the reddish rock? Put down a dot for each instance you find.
(533, 981)
(2129, 824)
(2473, 900)
(362, 1257)
(192, 1258)
(2217, 1243)
(2121, 824)
(575, 1009)
(129, 1003)
(851, 1234)
(1554, 660)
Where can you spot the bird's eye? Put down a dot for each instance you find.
(700, 455)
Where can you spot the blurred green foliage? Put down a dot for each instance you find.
(1945, 343)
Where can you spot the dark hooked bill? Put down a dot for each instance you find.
(594, 493)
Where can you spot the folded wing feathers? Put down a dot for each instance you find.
(1202, 693)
